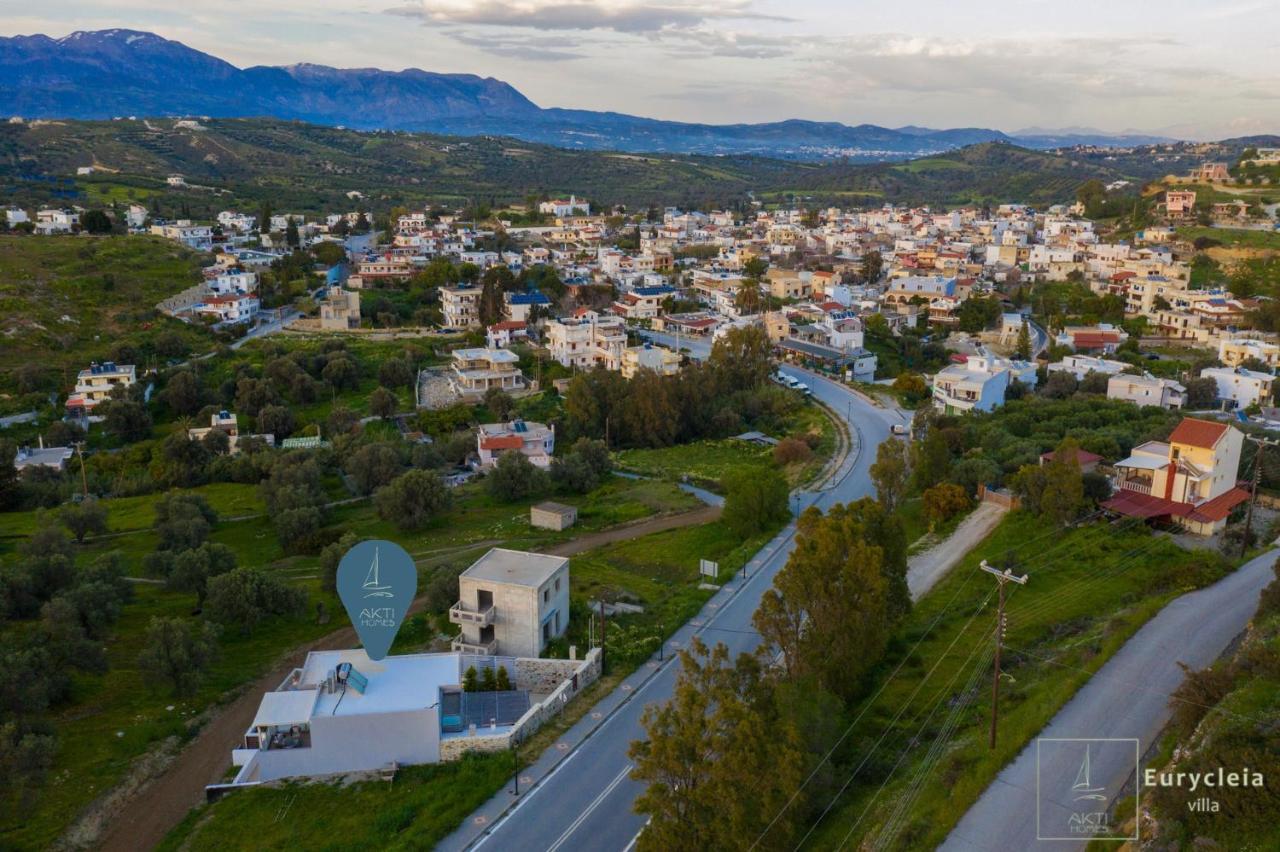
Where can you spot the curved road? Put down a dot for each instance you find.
(1127, 698)
(582, 795)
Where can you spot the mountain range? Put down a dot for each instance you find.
(118, 72)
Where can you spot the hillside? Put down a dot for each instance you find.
(307, 167)
(66, 300)
(118, 72)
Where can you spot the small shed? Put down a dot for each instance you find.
(552, 516)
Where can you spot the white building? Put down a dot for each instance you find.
(587, 339)
(15, 216)
(1239, 386)
(979, 384)
(536, 441)
(1082, 365)
(233, 308)
(55, 458)
(56, 221)
(1147, 390)
(136, 217)
(511, 603)
(474, 371)
(648, 357)
(560, 207)
(191, 235)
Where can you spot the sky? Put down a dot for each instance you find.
(1188, 68)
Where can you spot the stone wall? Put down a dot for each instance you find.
(556, 677)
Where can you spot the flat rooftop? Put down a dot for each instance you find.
(516, 567)
(396, 684)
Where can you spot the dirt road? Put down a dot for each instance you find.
(143, 821)
(925, 569)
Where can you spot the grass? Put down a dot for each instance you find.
(92, 759)
(71, 299)
(1236, 237)
(1090, 589)
(417, 811)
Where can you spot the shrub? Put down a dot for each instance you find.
(943, 502)
(792, 451)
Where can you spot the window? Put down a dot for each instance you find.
(546, 595)
(557, 584)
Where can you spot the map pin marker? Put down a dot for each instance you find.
(377, 581)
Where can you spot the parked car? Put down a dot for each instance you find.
(899, 429)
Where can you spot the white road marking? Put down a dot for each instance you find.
(589, 809)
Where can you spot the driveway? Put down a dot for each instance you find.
(925, 569)
(1127, 698)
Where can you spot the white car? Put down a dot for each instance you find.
(899, 429)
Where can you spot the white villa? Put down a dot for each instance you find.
(536, 441)
(476, 370)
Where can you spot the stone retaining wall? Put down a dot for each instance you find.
(562, 679)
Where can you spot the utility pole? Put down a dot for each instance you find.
(1002, 577)
(1262, 443)
(80, 452)
(604, 631)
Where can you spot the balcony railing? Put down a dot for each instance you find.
(1138, 485)
(484, 649)
(460, 613)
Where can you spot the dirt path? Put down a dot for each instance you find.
(144, 820)
(925, 569)
(705, 515)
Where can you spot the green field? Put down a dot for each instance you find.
(418, 810)
(1234, 237)
(67, 300)
(1089, 590)
(91, 758)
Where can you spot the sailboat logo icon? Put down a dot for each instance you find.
(1083, 788)
(372, 588)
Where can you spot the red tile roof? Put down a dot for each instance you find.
(1198, 433)
(1083, 457)
(1137, 505)
(1219, 507)
(508, 325)
(502, 442)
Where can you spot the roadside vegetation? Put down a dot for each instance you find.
(888, 744)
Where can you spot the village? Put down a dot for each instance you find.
(542, 350)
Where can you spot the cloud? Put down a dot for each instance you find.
(625, 16)
(544, 49)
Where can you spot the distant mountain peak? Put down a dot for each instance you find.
(98, 74)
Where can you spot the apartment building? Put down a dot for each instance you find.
(475, 371)
(649, 357)
(461, 305)
(587, 339)
(1235, 350)
(1239, 387)
(340, 309)
(979, 384)
(511, 602)
(97, 382)
(1147, 390)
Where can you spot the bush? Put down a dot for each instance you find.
(792, 451)
(755, 499)
(413, 499)
(514, 477)
(179, 652)
(87, 518)
(245, 596)
(943, 502)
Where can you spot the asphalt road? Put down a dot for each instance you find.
(1127, 698)
(585, 803)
